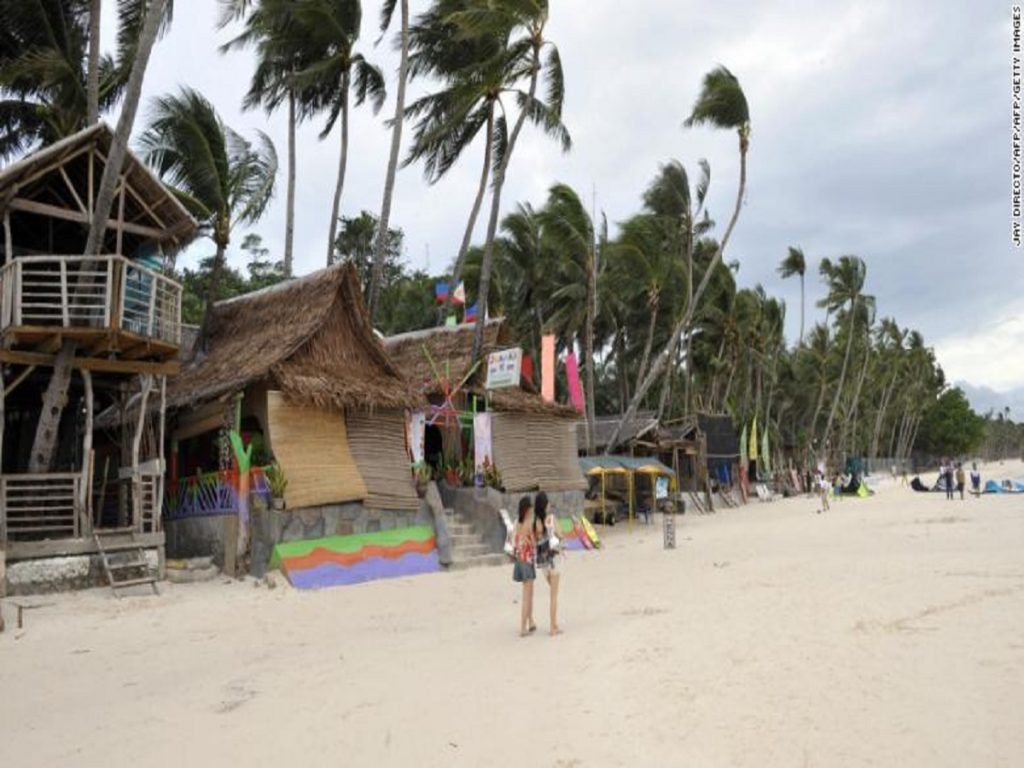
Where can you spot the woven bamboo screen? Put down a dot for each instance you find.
(311, 445)
(378, 444)
(536, 452)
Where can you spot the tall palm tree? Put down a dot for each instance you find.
(795, 264)
(528, 53)
(55, 397)
(720, 104)
(282, 50)
(845, 281)
(525, 264)
(92, 110)
(475, 71)
(396, 142)
(222, 178)
(330, 29)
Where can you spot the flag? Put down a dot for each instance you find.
(441, 292)
(459, 297)
(547, 367)
(572, 374)
(470, 315)
(753, 440)
(527, 369)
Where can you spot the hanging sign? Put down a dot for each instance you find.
(504, 368)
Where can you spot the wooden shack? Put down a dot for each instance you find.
(118, 313)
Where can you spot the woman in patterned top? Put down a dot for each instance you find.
(524, 571)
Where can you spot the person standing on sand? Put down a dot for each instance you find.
(524, 571)
(975, 480)
(961, 479)
(948, 469)
(823, 492)
(547, 554)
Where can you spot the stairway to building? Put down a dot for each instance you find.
(469, 550)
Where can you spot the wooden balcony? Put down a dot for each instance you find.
(114, 308)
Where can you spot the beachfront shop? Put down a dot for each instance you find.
(628, 488)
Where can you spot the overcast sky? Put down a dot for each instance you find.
(879, 129)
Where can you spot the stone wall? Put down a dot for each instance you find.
(59, 574)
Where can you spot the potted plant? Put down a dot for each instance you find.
(422, 476)
(492, 477)
(278, 483)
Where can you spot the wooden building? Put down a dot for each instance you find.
(118, 313)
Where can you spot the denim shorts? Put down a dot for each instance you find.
(523, 571)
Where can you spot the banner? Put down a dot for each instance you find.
(504, 368)
(416, 428)
(547, 368)
(482, 440)
(572, 374)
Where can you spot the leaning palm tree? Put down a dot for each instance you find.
(845, 281)
(529, 53)
(721, 104)
(222, 178)
(396, 142)
(334, 73)
(55, 397)
(794, 264)
(474, 73)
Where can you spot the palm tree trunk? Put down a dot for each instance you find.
(55, 398)
(645, 357)
(662, 360)
(389, 180)
(342, 163)
(802, 302)
(492, 222)
(92, 93)
(589, 349)
(880, 416)
(212, 290)
(485, 172)
(842, 375)
(289, 226)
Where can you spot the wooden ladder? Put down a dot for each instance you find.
(123, 560)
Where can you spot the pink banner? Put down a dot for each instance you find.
(547, 368)
(572, 373)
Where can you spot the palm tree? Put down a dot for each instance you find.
(45, 442)
(721, 104)
(330, 29)
(845, 281)
(524, 264)
(396, 142)
(527, 18)
(222, 178)
(475, 72)
(92, 110)
(795, 264)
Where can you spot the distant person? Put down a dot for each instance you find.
(975, 479)
(961, 479)
(906, 479)
(524, 571)
(823, 492)
(948, 478)
(547, 554)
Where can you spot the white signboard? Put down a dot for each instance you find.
(504, 367)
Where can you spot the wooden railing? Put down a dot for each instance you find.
(36, 506)
(102, 292)
(210, 494)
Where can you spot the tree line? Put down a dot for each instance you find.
(650, 301)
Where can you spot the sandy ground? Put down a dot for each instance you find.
(887, 632)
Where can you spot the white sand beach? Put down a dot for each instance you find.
(888, 632)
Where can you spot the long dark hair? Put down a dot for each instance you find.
(540, 509)
(525, 505)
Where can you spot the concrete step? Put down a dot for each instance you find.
(460, 529)
(465, 538)
(469, 550)
(498, 558)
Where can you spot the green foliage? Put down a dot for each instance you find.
(276, 480)
(1004, 439)
(950, 427)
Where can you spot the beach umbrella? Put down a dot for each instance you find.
(743, 448)
(753, 440)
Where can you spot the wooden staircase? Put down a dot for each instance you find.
(124, 560)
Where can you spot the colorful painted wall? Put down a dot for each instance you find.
(337, 560)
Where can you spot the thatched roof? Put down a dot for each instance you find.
(451, 349)
(52, 177)
(645, 424)
(311, 337)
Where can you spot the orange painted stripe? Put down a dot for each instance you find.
(321, 555)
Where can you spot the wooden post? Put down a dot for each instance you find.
(147, 385)
(120, 219)
(8, 246)
(16, 293)
(152, 305)
(85, 490)
(108, 298)
(65, 310)
(92, 154)
(159, 500)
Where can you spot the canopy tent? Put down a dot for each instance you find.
(628, 467)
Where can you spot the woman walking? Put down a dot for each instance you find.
(524, 571)
(547, 554)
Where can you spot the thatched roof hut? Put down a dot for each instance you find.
(310, 338)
